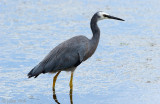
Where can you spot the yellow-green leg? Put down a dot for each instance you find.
(71, 87)
(54, 80)
(71, 80)
(53, 87)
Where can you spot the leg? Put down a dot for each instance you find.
(71, 80)
(53, 88)
(71, 88)
(54, 80)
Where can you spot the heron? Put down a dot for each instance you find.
(68, 55)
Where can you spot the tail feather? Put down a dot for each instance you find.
(36, 71)
(30, 73)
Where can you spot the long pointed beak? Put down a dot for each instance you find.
(116, 18)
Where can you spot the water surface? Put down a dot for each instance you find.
(123, 70)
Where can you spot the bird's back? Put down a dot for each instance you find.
(68, 54)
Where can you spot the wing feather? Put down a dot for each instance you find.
(66, 55)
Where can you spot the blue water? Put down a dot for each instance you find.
(123, 70)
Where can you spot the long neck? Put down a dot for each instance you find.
(93, 43)
(95, 31)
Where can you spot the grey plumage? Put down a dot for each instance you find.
(71, 53)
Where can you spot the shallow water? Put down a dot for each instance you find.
(123, 70)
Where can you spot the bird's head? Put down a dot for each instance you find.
(102, 15)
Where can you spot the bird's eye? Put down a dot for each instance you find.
(104, 15)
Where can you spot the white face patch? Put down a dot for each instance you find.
(100, 14)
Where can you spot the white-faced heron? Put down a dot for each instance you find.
(72, 52)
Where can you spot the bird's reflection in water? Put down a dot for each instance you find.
(55, 97)
(71, 96)
(70, 84)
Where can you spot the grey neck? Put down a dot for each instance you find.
(95, 29)
(95, 38)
